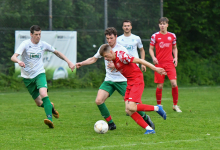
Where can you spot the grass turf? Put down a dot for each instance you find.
(197, 127)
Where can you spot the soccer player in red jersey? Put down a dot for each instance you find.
(126, 65)
(166, 57)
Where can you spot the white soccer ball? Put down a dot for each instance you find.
(101, 127)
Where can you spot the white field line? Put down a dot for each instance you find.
(151, 143)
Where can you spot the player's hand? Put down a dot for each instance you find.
(111, 66)
(155, 61)
(175, 62)
(22, 64)
(161, 71)
(71, 66)
(143, 68)
(78, 65)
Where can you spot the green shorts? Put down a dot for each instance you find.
(110, 87)
(33, 85)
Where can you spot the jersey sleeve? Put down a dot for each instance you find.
(20, 48)
(174, 39)
(139, 44)
(153, 40)
(97, 55)
(48, 47)
(125, 58)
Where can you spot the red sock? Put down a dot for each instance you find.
(139, 120)
(144, 107)
(175, 95)
(158, 96)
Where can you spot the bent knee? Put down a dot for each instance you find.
(99, 101)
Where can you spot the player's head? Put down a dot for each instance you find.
(106, 52)
(111, 36)
(163, 24)
(35, 32)
(127, 26)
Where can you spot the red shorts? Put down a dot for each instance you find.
(171, 72)
(134, 92)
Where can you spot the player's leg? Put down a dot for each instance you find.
(39, 103)
(132, 97)
(175, 95)
(104, 92)
(159, 79)
(121, 88)
(130, 107)
(171, 73)
(42, 86)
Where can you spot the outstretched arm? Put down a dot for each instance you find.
(88, 61)
(149, 65)
(62, 56)
(15, 59)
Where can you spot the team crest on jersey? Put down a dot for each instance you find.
(169, 38)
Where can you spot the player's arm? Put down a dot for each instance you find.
(142, 52)
(151, 51)
(63, 57)
(175, 54)
(15, 59)
(88, 61)
(149, 65)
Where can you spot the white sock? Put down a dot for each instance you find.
(156, 108)
(148, 128)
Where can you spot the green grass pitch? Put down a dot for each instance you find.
(197, 127)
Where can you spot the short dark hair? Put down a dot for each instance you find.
(126, 21)
(34, 28)
(110, 31)
(104, 48)
(163, 19)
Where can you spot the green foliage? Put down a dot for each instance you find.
(195, 23)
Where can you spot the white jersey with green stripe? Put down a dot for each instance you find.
(32, 56)
(114, 76)
(131, 43)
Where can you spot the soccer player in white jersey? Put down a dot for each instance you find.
(131, 42)
(33, 72)
(113, 80)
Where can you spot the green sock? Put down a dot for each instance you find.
(143, 115)
(104, 112)
(47, 107)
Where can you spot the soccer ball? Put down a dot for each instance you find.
(101, 127)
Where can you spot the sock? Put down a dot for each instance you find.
(47, 107)
(139, 120)
(143, 114)
(158, 96)
(105, 113)
(156, 108)
(148, 128)
(144, 107)
(175, 95)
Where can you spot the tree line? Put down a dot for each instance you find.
(195, 24)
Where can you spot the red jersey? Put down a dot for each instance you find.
(123, 63)
(164, 46)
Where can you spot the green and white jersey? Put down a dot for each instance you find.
(130, 43)
(32, 56)
(114, 76)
